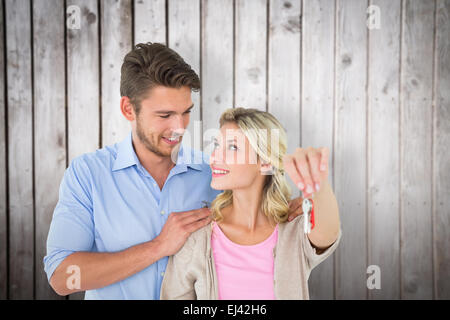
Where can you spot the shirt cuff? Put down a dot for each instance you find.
(51, 262)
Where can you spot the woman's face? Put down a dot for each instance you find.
(234, 163)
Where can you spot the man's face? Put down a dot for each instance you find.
(163, 118)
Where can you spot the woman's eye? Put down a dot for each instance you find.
(216, 145)
(232, 147)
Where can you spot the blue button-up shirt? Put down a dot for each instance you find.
(109, 202)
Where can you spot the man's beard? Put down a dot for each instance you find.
(148, 143)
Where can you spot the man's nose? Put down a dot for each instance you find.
(178, 126)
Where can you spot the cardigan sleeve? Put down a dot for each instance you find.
(179, 278)
(313, 257)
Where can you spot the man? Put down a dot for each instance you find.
(124, 209)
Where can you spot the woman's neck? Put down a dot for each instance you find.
(246, 210)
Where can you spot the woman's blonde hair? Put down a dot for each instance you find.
(262, 130)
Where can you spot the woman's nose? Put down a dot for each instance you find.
(217, 156)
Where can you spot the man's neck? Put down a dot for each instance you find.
(155, 164)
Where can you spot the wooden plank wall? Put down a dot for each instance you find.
(378, 98)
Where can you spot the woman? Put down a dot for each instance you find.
(249, 250)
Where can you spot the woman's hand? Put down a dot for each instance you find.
(308, 168)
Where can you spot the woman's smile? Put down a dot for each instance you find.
(219, 172)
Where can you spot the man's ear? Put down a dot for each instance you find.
(127, 108)
(266, 168)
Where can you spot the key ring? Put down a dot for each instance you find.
(308, 211)
(206, 204)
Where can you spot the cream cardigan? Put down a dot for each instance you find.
(191, 274)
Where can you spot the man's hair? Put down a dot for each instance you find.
(153, 64)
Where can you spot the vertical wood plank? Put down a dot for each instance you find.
(284, 70)
(384, 179)
(49, 126)
(83, 95)
(318, 106)
(442, 152)
(184, 38)
(20, 147)
(284, 67)
(350, 147)
(416, 141)
(150, 21)
(3, 169)
(217, 61)
(251, 41)
(116, 40)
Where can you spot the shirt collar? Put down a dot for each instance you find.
(126, 157)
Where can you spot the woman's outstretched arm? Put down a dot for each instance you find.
(326, 218)
(308, 169)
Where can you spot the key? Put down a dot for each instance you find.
(206, 204)
(307, 206)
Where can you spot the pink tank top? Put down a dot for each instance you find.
(243, 272)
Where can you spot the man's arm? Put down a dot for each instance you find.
(71, 238)
(100, 269)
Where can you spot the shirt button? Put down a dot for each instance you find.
(162, 212)
(162, 274)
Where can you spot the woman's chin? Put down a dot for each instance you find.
(216, 186)
(220, 185)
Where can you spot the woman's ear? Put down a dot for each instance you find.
(266, 168)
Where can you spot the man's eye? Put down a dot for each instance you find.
(189, 111)
(165, 117)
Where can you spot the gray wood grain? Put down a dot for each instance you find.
(184, 38)
(383, 158)
(250, 55)
(49, 126)
(3, 169)
(416, 141)
(116, 42)
(83, 87)
(379, 99)
(283, 95)
(442, 153)
(150, 21)
(318, 27)
(20, 149)
(217, 64)
(350, 147)
(284, 67)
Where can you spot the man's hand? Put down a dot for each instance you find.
(308, 168)
(178, 228)
(295, 208)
